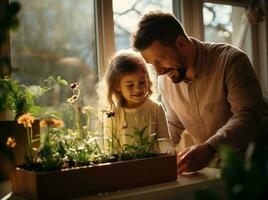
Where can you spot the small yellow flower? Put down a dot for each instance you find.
(86, 109)
(104, 110)
(52, 122)
(74, 86)
(84, 127)
(27, 120)
(11, 142)
(58, 123)
(46, 122)
(72, 99)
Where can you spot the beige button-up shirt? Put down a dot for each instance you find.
(221, 104)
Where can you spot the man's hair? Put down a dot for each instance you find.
(157, 25)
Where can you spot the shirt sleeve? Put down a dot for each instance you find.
(174, 124)
(163, 132)
(245, 98)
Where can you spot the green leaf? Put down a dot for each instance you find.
(61, 81)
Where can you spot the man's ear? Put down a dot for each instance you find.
(181, 42)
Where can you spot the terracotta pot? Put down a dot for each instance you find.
(94, 179)
(13, 129)
(7, 115)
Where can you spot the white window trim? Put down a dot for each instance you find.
(260, 45)
(192, 18)
(104, 33)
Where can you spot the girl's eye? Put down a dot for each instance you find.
(129, 86)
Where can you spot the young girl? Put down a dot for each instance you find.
(128, 90)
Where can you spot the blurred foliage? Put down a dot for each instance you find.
(21, 99)
(245, 178)
(8, 21)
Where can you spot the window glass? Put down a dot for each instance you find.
(56, 38)
(127, 13)
(227, 24)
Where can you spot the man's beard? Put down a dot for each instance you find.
(182, 74)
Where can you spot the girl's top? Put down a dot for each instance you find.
(149, 116)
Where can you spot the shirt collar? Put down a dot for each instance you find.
(200, 60)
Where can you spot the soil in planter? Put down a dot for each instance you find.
(38, 167)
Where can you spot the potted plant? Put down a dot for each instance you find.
(19, 99)
(77, 155)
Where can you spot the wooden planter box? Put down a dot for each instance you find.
(90, 180)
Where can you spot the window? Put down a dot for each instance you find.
(127, 13)
(227, 24)
(56, 38)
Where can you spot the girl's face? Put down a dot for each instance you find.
(134, 87)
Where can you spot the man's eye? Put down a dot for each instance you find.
(166, 70)
(142, 82)
(159, 62)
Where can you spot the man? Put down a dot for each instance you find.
(208, 89)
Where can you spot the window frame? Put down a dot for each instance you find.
(5, 48)
(193, 23)
(104, 33)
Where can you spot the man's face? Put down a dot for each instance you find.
(166, 60)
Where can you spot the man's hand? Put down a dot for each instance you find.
(195, 158)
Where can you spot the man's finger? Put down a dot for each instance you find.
(179, 155)
(184, 159)
(182, 169)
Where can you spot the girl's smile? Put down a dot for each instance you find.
(134, 88)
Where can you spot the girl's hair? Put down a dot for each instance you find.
(124, 62)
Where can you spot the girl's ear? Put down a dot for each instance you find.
(118, 89)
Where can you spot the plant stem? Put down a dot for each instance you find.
(88, 121)
(102, 129)
(112, 150)
(29, 137)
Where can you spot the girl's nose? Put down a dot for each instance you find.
(137, 88)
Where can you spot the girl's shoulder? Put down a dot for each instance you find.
(153, 105)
